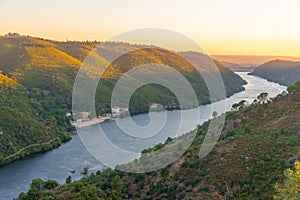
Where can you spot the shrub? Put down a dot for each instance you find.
(291, 185)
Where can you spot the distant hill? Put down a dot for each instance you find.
(233, 66)
(279, 71)
(249, 61)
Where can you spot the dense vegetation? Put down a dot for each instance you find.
(36, 83)
(257, 144)
(279, 71)
(30, 121)
(52, 66)
(148, 94)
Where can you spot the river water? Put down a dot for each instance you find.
(57, 164)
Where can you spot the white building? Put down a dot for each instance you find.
(116, 111)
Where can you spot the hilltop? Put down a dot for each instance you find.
(257, 144)
(20, 52)
(234, 67)
(279, 71)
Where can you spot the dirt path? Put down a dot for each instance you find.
(29, 146)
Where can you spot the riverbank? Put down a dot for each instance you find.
(32, 149)
(91, 122)
(30, 146)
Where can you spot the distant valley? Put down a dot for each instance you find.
(249, 61)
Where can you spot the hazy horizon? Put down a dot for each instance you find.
(70, 40)
(269, 27)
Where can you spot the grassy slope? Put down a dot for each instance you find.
(7, 84)
(16, 53)
(250, 157)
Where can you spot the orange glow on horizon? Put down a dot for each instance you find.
(233, 27)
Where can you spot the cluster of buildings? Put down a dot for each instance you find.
(117, 111)
(86, 116)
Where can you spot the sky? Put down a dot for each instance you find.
(232, 27)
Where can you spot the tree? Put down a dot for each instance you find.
(214, 114)
(262, 97)
(50, 184)
(242, 103)
(85, 172)
(116, 186)
(37, 183)
(235, 107)
(68, 180)
(290, 189)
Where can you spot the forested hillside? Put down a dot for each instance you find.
(37, 77)
(30, 121)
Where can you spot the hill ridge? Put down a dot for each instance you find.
(279, 71)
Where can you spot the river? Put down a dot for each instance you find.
(57, 164)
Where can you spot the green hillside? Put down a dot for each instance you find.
(279, 71)
(257, 144)
(37, 63)
(19, 52)
(37, 75)
(25, 122)
(146, 95)
(52, 66)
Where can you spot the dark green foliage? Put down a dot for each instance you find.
(24, 115)
(68, 180)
